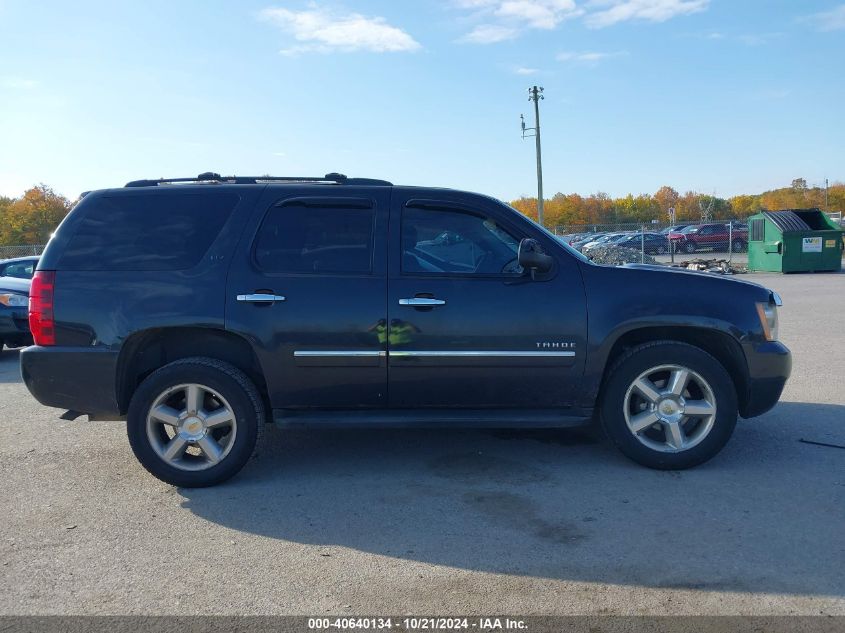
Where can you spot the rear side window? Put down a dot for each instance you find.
(295, 239)
(148, 232)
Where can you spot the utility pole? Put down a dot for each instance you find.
(535, 94)
(826, 203)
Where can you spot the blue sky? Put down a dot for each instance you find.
(729, 96)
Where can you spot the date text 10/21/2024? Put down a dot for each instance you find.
(417, 624)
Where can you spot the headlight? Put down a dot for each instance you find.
(768, 314)
(14, 301)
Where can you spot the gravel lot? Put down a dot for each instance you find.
(393, 522)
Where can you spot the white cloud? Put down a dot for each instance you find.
(833, 20)
(608, 12)
(538, 14)
(490, 34)
(522, 70)
(587, 57)
(506, 19)
(320, 30)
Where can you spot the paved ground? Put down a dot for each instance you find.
(433, 522)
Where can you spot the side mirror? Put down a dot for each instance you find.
(532, 257)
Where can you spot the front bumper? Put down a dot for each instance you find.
(769, 367)
(81, 379)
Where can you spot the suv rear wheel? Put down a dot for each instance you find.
(669, 405)
(195, 422)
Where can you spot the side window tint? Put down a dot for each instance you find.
(21, 270)
(313, 240)
(144, 232)
(444, 241)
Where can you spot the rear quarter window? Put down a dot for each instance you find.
(147, 232)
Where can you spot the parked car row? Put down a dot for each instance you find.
(686, 238)
(15, 276)
(654, 243)
(716, 236)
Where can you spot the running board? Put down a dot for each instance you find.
(435, 418)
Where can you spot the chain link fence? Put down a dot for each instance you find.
(718, 244)
(8, 252)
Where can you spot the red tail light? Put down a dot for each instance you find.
(41, 321)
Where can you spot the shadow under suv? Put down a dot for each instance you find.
(201, 309)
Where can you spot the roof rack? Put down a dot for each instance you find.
(210, 177)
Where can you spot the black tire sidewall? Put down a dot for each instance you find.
(652, 355)
(220, 381)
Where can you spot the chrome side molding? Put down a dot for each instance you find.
(333, 353)
(478, 354)
(428, 354)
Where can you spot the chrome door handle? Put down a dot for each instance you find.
(260, 298)
(423, 302)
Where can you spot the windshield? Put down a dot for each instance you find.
(690, 229)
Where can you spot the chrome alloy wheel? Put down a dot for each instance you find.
(670, 408)
(191, 427)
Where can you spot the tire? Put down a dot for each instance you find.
(738, 246)
(689, 247)
(229, 404)
(660, 250)
(704, 435)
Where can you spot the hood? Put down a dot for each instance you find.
(13, 284)
(669, 270)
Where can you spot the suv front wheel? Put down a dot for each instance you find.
(195, 422)
(669, 405)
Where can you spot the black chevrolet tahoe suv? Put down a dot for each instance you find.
(200, 309)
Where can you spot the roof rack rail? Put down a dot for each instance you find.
(210, 177)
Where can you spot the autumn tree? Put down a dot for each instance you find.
(744, 205)
(31, 218)
(526, 206)
(666, 198)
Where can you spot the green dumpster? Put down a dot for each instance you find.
(795, 240)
